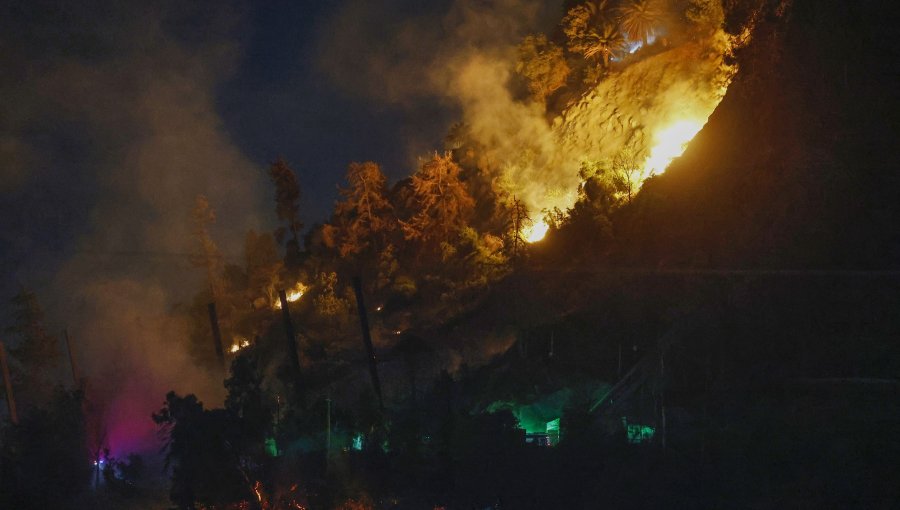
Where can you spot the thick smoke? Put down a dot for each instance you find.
(465, 55)
(135, 85)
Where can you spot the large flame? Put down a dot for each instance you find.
(535, 232)
(670, 144)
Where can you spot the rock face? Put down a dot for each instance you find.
(798, 166)
(625, 109)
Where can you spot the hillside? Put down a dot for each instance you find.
(797, 167)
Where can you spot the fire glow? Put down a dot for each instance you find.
(239, 343)
(670, 144)
(293, 294)
(536, 232)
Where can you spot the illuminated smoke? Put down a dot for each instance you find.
(146, 103)
(467, 57)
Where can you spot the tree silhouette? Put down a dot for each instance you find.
(205, 253)
(519, 221)
(263, 269)
(199, 450)
(44, 461)
(287, 208)
(36, 350)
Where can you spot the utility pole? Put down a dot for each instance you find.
(217, 334)
(72, 364)
(10, 398)
(367, 339)
(662, 393)
(291, 337)
(327, 433)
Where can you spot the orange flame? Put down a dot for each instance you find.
(293, 294)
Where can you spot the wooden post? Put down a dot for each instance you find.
(72, 364)
(10, 399)
(367, 339)
(662, 393)
(217, 334)
(291, 336)
(327, 433)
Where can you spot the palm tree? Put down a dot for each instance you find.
(583, 19)
(639, 18)
(603, 42)
(598, 11)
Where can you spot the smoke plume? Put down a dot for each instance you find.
(134, 85)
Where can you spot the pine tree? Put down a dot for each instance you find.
(287, 208)
(205, 253)
(364, 216)
(443, 204)
(263, 268)
(519, 222)
(36, 348)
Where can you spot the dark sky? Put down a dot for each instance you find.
(280, 102)
(102, 102)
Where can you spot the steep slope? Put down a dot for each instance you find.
(797, 167)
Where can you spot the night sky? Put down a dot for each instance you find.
(102, 97)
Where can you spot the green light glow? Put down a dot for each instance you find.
(357, 442)
(636, 433)
(553, 431)
(272, 447)
(553, 426)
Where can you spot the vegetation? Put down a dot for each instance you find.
(642, 18)
(737, 371)
(543, 64)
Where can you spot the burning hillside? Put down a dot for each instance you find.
(633, 113)
(565, 117)
(652, 108)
